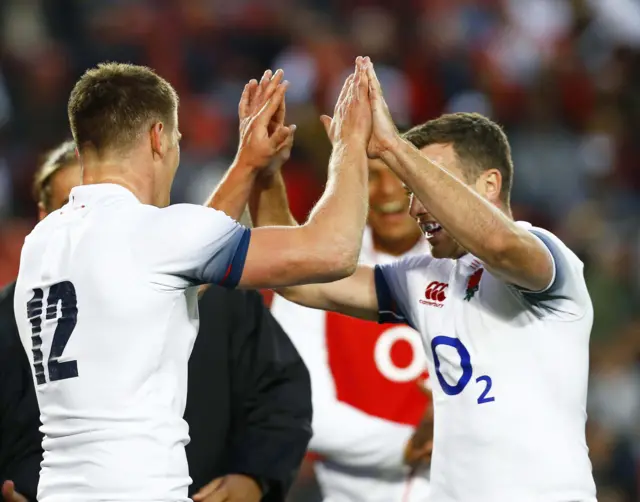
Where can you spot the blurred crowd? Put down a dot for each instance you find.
(562, 77)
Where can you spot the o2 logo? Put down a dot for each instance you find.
(384, 362)
(467, 369)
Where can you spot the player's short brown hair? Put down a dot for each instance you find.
(479, 143)
(112, 104)
(55, 160)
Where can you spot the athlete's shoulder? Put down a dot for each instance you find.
(567, 295)
(41, 231)
(186, 215)
(551, 241)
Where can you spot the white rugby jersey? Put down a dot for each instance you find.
(366, 403)
(509, 375)
(108, 319)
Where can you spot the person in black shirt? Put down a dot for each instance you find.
(249, 394)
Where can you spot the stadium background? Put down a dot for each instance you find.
(562, 76)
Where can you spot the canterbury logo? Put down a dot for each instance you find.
(435, 294)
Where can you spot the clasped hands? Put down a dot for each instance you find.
(361, 119)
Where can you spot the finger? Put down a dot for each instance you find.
(362, 83)
(272, 83)
(252, 87)
(424, 388)
(424, 453)
(424, 449)
(326, 122)
(353, 89)
(220, 495)
(345, 98)
(264, 82)
(262, 85)
(243, 106)
(270, 107)
(349, 96)
(281, 112)
(413, 457)
(280, 136)
(7, 489)
(9, 493)
(268, 86)
(375, 89)
(208, 489)
(357, 73)
(355, 86)
(374, 83)
(288, 141)
(344, 91)
(419, 453)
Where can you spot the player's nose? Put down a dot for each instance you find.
(416, 209)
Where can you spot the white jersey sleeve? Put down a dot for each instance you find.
(362, 441)
(566, 297)
(185, 245)
(394, 284)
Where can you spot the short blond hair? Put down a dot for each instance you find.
(60, 157)
(112, 104)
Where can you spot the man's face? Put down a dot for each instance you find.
(60, 185)
(442, 244)
(389, 217)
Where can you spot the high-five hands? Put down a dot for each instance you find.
(361, 115)
(263, 135)
(258, 94)
(383, 132)
(352, 120)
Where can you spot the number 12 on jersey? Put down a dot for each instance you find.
(63, 294)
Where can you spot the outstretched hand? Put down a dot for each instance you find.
(263, 135)
(351, 121)
(254, 98)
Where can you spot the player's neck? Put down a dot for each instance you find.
(120, 171)
(395, 247)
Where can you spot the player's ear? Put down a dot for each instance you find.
(489, 184)
(158, 139)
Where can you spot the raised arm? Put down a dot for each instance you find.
(355, 295)
(263, 136)
(268, 203)
(507, 249)
(327, 246)
(324, 249)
